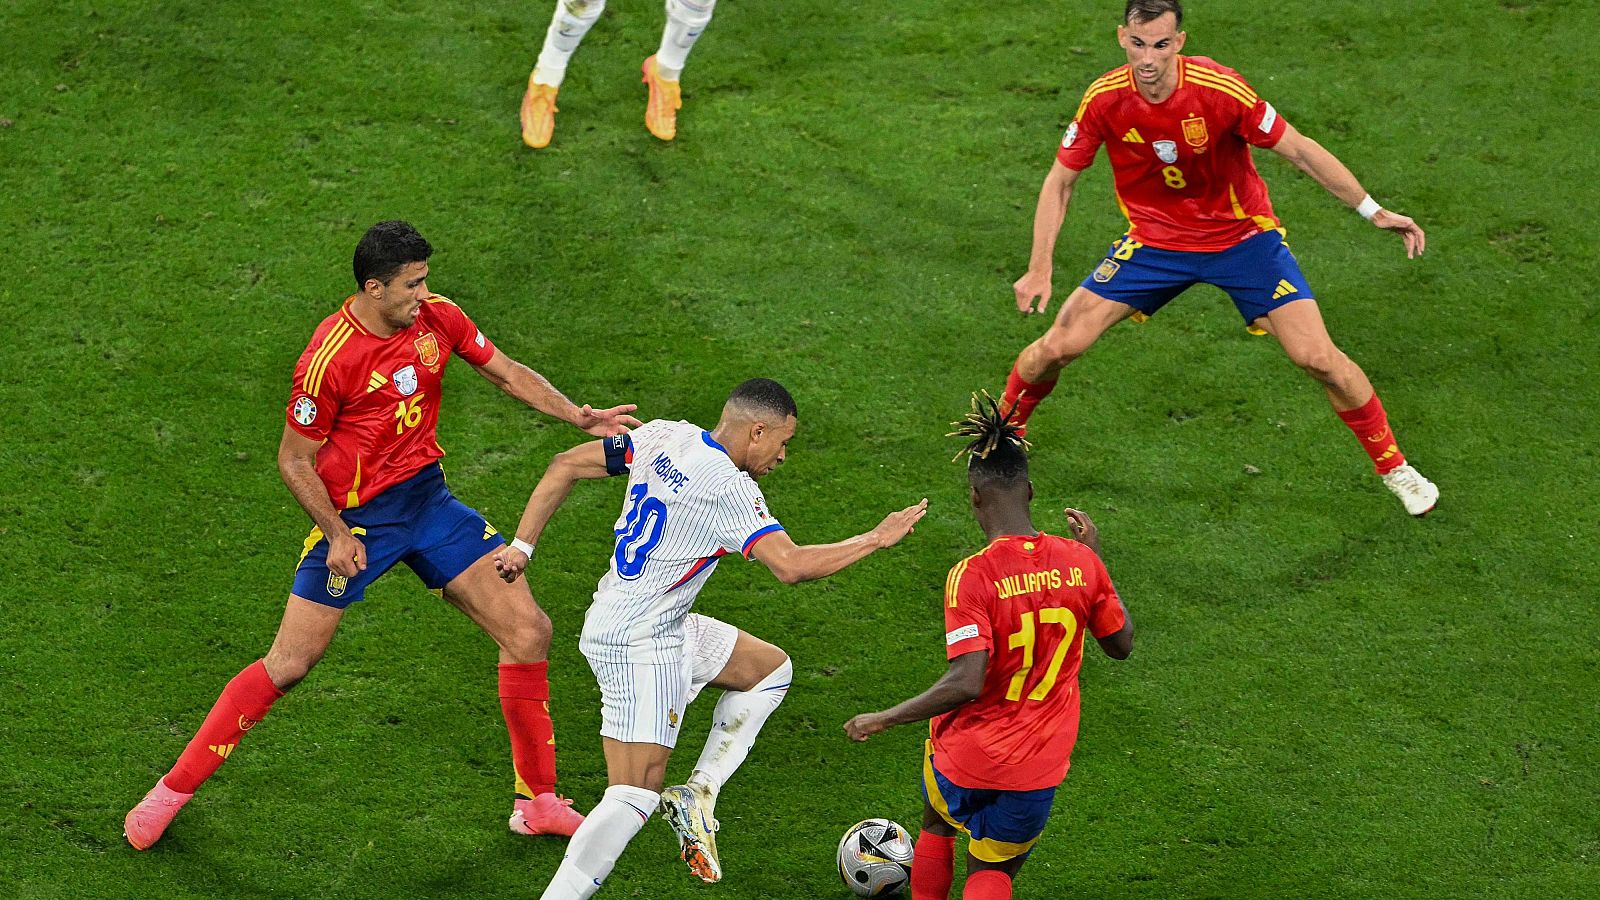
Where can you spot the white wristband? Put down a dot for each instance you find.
(520, 544)
(1368, 208)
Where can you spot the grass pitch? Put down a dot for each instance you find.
(1326, 698)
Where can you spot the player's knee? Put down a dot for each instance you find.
(1063, 345)
(693, 13)
(1322, 362)
(529, 639)
(288, 668)
(583, 10)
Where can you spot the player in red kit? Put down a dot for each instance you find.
(1178, 132)
(360, 454)
(1005, 714)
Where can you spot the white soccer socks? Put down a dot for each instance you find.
(600, 840)
(686, 19)
(571, 21)
(737, 721)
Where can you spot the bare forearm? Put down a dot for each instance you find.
(536, 391)
(301, 477)
(1334, 176)
(547, 497)
(821, 560)
(944, 695)
(1047, 218)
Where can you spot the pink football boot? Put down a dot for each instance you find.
(545, 814)
(150, 817)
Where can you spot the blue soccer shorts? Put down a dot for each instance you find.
(417, 522)
(1260, 274)
(1002, 824)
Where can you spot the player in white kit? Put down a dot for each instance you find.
(692, 498)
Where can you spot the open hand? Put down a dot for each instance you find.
(1408, 230)
(899, 524)
(607, 422)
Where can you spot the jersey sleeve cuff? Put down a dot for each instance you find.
(1120, 621)
(751, 541)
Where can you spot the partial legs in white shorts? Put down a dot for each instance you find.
(755, 677)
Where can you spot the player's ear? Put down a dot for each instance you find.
(1030, 490)
(973, 496)
(1178, 44)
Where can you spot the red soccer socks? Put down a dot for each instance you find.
(525, 700)
(932, 866)
(988, 884)
(1024, 396)
(1371, 427)
(243, 703)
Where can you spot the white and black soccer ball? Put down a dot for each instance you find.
(875, 858)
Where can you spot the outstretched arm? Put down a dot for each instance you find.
(793, 563)
(567, 469)
(1054, 198)
(536, 391)
(961, 683)
(1313, 159)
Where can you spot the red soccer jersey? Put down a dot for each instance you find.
(375, 401)
(1182, 167)
(1028, 602)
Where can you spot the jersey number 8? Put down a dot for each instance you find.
(640, 532)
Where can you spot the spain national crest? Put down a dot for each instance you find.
(1194, 131)
(336, 585)
(1107, 269)
(428, 349)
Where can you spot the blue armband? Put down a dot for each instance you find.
(619, 454)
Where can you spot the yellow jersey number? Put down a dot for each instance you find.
(1174, 177)
(408, 414)
(1026, 637)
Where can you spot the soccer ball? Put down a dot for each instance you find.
(875, 858)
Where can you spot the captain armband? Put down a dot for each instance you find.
(619, 454)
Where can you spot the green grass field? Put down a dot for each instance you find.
(1326, 697)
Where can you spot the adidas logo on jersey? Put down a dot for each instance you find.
(1284, 289)
(1133, 136)
(375, 381)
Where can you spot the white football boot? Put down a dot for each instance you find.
(688, 810)
(1418, 494)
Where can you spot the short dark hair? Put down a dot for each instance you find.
(1150, 10)
(386, 248)
(996, 452)
(764, 395)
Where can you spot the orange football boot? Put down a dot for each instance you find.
(661, 110)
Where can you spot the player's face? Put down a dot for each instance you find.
(1151, 47)
(769, 446)
(400, 300)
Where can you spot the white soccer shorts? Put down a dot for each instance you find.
(644, 703)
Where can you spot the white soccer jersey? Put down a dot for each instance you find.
(687, 507)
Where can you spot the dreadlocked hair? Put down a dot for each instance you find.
(995, 449)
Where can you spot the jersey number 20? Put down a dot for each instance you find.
(640, 532)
